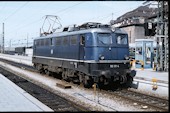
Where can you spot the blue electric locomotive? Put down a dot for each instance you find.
(89, 53)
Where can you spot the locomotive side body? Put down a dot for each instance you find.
(91, 55)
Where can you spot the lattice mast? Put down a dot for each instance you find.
(162, 37)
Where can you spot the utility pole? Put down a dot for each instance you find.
(2, 37)
(27, 39)
(40, 32)
(130, 41)
(10, 44)
(112, 16)
(162, 37)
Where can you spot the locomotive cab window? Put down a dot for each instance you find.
(104, 38)
(122, 39)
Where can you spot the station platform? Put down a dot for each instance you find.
(13, 98)
(149, 74)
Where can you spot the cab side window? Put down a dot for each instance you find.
(82, 39)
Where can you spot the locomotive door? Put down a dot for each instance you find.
(82, 47)
(34, 47)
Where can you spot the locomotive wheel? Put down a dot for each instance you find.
(76, 79)
(65, 75)
(87, 82)
(103, 82)
(58, 75)
(48, 72)
(123, 79)
(129, 81)
(41, 71)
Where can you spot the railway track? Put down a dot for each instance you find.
(148, 101)
(50, 99)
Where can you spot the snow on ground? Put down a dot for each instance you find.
(143, 78)
(78, 94)
(18, 58)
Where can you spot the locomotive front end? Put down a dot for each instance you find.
(111, 54)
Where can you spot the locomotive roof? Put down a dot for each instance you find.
(67, 33)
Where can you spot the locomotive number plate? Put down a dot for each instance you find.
(114, 66)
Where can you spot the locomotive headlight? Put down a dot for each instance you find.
(126, 57)
(101, 57)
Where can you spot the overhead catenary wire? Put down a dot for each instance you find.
(32, 16)
(105, 17)
(38, 20)
(102, 17)
(16, 11)
(23, 26)
(62, 11)
(3, 7)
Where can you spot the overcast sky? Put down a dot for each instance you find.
(26, 18)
